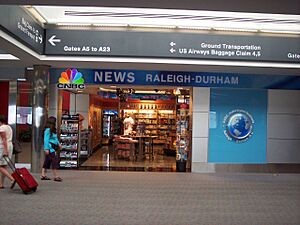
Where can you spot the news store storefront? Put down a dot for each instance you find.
(104, 99)
(227, 113)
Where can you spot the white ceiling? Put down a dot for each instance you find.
(165, 18)
(291, 7)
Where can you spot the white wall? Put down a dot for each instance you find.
(79, 103)
(283, 126)
(201, 103)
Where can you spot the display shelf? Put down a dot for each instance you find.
(69, 133)
(68, 164)
(85, 149)
(166, 128)
(155, 119)
(182, 132)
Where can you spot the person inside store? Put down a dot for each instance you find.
(51, 146)
(81, 119)
(128, 125)
(6, 149)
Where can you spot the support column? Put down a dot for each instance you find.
(12, 106)
(40, 81)
(12, 109)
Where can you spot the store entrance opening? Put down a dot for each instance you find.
(127, 129)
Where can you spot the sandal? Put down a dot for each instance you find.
(45, 178)
(58, 179)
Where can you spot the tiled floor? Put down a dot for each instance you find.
(104, 158)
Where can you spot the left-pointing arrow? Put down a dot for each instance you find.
(52, 40)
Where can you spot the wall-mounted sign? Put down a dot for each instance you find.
(181, 78)
(172, 45)
(238, 126)
(20, 24)
(71, 79)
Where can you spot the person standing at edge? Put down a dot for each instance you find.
(6, 149)
(51, 157)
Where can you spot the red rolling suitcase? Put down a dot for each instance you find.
(22, 177)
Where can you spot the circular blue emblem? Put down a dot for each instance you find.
(238, 125)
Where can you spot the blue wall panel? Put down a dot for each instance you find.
(224, 101)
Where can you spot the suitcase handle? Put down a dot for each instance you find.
(10, 163)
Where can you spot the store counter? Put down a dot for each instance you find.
(142, 139)
(124, 147)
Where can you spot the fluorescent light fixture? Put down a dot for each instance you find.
(21, 79)
(13, 41)
(234, 29)
(194, 28)
(8, 57)
(110, 24)
(36, 14)
(280, 31)
(153, 26)
(216, 62)
(73, 24)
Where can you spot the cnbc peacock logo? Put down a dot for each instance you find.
(71, 79)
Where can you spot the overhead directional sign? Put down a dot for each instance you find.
(172, 45)
(21, 25)
(52, 40)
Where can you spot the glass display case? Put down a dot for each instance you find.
(108, 123)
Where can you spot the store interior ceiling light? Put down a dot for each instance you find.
(157, 92)
(164, 18)
(107, 89)
(144, 91)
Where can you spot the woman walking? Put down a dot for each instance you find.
(50, 144)
(6, 149)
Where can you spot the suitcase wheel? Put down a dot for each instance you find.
(34, 189)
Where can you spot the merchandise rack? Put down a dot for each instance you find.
(69, 137)
(158, 123)
(85, 143)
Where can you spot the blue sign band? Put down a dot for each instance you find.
(175, 78)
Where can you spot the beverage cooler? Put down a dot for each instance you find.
(110, 118)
